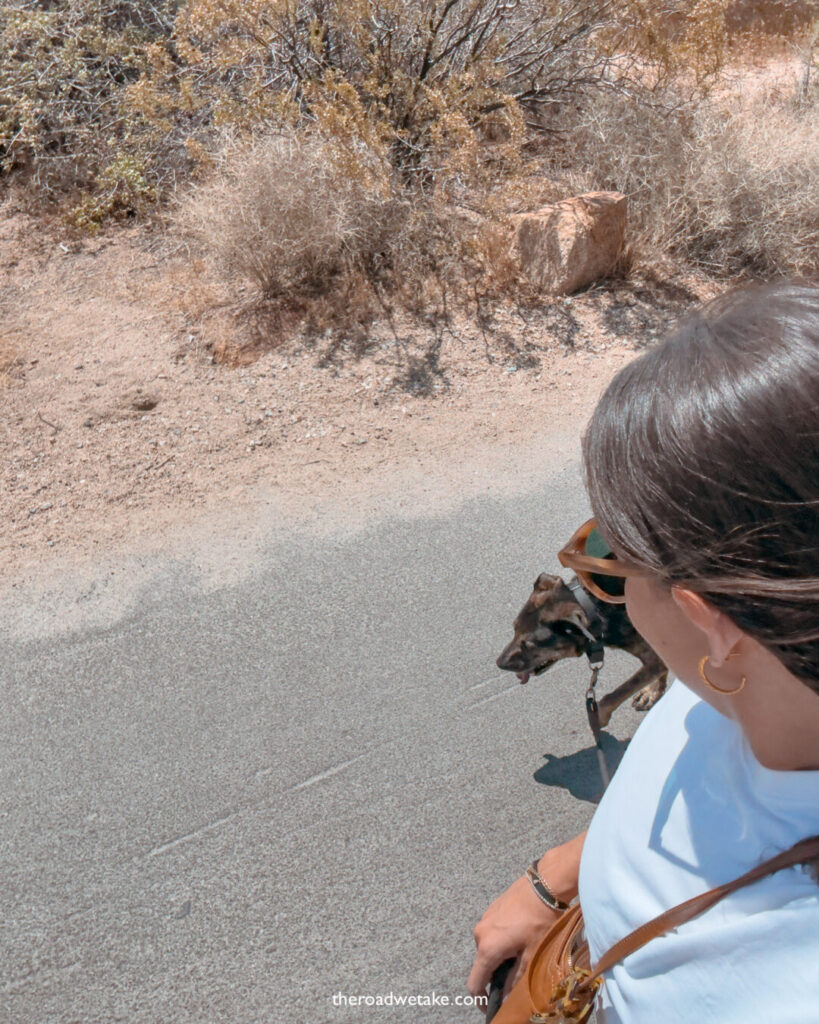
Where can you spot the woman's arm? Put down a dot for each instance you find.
(560, 867)
(514, 924)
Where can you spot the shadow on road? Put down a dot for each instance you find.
(579, 772)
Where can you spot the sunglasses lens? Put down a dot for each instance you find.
(596, 547)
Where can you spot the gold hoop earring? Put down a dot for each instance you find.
(716, 689)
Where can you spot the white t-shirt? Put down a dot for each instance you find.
(690, 808)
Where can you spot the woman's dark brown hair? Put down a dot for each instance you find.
(702, 464)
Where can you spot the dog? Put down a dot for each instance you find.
(553, 625)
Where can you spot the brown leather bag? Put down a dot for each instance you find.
(559, 985)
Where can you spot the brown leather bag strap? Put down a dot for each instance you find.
(804, 852)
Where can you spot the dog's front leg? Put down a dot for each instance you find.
(652, 693)
(609, 704)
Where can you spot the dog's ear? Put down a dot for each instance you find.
(546, 582)
(568, 611)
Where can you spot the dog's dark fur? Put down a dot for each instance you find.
(546, 632)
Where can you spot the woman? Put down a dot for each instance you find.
(702, 466)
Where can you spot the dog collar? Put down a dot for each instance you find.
(594, 632)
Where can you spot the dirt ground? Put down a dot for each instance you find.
(118, 420)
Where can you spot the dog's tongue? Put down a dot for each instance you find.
(523, 677)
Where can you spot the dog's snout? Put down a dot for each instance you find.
(511, 658)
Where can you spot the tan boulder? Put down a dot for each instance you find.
(570, 244)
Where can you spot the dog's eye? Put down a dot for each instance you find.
(562, 628)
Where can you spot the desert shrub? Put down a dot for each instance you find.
(809, 58)
(732, 187)
(283, 212)
(328, 245)
(122, 100)
(767, 18)
(65, 70)
(360, 131)
(752, 190)
(399, 116)
(442, 89)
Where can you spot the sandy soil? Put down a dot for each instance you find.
(119, 420)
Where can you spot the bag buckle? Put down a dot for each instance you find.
(568, 1005)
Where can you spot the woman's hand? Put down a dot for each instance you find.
(515, 923)
(510, 929)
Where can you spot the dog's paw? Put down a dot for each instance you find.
(648, 696)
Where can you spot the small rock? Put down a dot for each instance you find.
(573, 243)
(89, 422)
(144, 401)
(183, 911)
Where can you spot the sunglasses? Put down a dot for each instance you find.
(597, 568)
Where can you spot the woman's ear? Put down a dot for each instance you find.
(721, 634)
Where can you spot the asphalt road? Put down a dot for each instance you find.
(239, 803)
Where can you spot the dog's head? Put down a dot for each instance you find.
(546, 630)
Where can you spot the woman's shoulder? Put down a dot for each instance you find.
(688, 809)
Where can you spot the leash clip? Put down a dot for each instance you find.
(595, 664)
(595, 653)
(592, 712)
